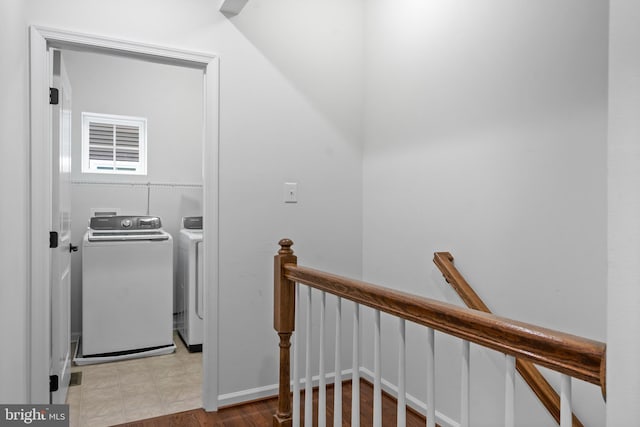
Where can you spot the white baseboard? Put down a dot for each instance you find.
(272, 390)
(242, 396)
(412, 401)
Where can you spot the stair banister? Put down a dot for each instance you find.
(565, 353)
(532, 376)
(283, 323)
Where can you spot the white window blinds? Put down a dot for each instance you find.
(114, 144)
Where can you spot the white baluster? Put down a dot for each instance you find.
(308, 386)
(402, 375)
(431, 379)
(565, 401)
(464, 389)
(510, 392)
(322, 386)
(355, 375)
(296, 361)
(377, 382)
(337, 384)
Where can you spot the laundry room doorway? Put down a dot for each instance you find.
(43, 305)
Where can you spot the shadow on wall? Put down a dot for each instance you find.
(318, 47)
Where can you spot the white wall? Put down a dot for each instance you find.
(623, 373)
(14, 201)
(277, 129)
(170, 98)
(485, 127)
(485, 136)
(271, 131)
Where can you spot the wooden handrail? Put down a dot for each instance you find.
(444, 262)
(532, 376)
(569, 354)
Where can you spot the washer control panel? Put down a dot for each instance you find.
(119, 222)
(192, 222)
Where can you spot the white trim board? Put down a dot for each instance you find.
(140, 184)
(271, 390)
(73, 40)
(412, 401)
(41, 39)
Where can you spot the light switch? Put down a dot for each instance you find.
(290, 192)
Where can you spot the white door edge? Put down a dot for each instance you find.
(40, 196)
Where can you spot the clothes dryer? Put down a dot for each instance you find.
(190, 286)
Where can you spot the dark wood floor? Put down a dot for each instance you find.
(259, 414)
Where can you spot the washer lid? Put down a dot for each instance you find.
(191, 235)
(125, 235)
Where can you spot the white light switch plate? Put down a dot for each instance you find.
(290, 192)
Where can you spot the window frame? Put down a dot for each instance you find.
(92, 166)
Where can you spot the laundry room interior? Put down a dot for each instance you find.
(170, 98)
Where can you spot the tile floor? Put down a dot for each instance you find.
(130, 390)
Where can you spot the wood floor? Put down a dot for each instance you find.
(259, 414)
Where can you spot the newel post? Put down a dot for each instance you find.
(283, 323)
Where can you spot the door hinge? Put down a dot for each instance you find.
(53, 239)
(53, 96)
(53, 383)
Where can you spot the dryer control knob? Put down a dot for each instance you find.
(126, 223)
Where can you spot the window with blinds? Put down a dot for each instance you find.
(114, 144)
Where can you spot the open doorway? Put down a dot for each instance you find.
(157, 113)
(42, 40)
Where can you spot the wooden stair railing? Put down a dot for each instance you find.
(568, 354)
(538, 384)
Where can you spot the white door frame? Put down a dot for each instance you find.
(40, 194)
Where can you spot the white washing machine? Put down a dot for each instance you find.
(190, 289)
(127, 287)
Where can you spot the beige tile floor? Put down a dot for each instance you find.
(118, 392)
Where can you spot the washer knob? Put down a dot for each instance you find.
(126, 223)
